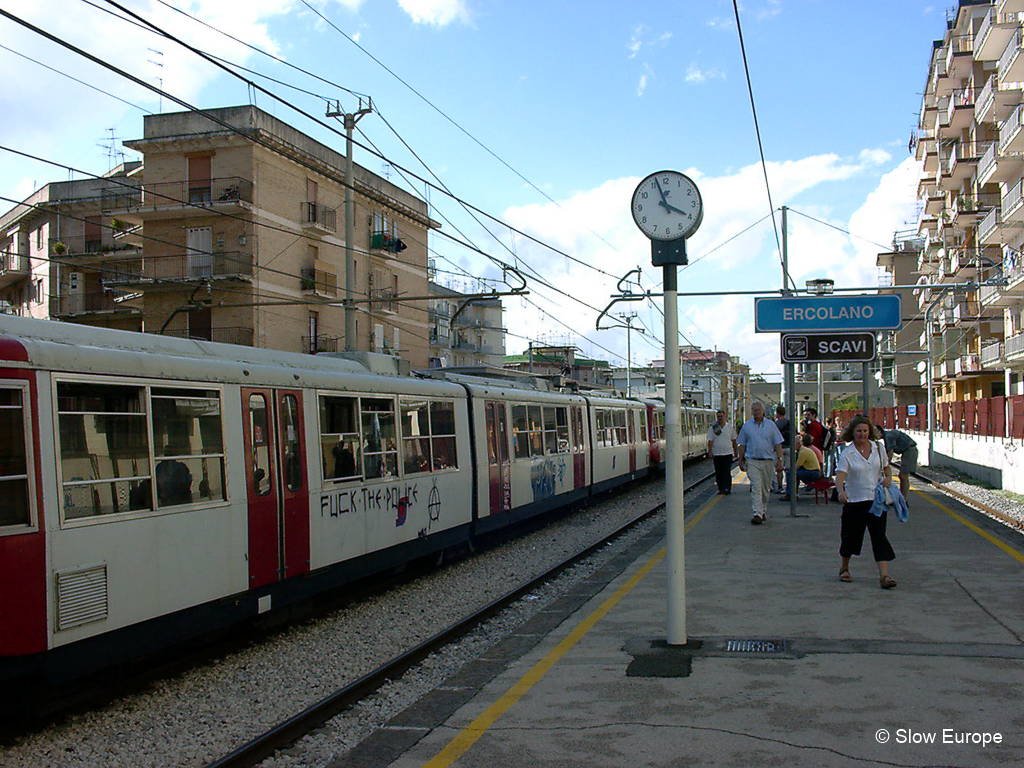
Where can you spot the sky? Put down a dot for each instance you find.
(545, 116)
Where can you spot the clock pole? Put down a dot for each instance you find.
(674, 512)
(667, 207)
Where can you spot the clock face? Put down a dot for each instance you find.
(667, 206)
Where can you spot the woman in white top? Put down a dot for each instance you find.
(861, 465)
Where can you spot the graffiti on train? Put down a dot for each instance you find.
(399, 500)
(546, 475)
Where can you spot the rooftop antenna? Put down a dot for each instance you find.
(160, 80)
(114, 155)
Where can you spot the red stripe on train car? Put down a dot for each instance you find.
(23, 555)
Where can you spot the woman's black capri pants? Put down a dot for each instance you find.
(856, 517)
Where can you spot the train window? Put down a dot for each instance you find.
(520, 432)
(380, 449)
(562, 429)
(442, 435)
(415, 436)
(631, 424)
(260, 424)
(644, 434)
(339, 438)
(577, 430)
(188, 444)
(601, 427)
(550, 433)
(292, 440)
(619, 416)
(14, 488)
(104, 449)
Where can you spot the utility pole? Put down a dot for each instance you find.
(628, 318)
(789, 376)
(349, 120)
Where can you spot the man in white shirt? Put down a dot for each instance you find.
(721, 449)
(758, 441)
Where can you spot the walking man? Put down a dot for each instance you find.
(906, 447)
(721, 449)
(760, 451)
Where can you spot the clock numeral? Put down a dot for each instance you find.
(643, 195)
(643, 220)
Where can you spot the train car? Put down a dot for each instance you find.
(155, 489)
(695, 425)
(533, 444)
(621, 447)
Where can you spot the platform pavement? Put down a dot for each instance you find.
(944, 650)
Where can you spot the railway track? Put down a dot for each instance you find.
(294, 728)
(995, 513)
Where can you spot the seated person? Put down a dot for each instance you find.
(808, 468)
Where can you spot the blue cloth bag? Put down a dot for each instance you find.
(899, 504)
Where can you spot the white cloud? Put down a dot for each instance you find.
(436, 13)
(875, 156)
(595, 226)
(642, 85)
(696, 75)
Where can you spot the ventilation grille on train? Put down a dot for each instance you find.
(81, 596)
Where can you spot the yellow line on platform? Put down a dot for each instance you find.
(472, 732)
(1014, 553)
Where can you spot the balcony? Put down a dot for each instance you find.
(386, 242)
(998, 166)
(93, 303)
(1011, 135)
(967, 365)
(313, 344)
(174, 199)
(960, 57)
(319, 282)
(960, 112)
(992, 356)
(925, 142)
(79, 247)
(319, 217)
(382, 300)
(1012, 203)
(229, 335)
(994, 33)
(14, 268)
(959, 165)
(1011, 63)
(178, 271)
(1013, 348)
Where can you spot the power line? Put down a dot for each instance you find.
(757, 131)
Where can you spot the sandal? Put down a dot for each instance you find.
(844, 575)
(886, 582)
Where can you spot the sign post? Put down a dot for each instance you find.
(667, 208)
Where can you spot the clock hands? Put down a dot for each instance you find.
(664, 203)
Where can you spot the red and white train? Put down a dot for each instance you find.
(155, 489)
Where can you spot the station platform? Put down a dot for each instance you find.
(784, 666)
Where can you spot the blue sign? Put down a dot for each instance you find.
(828, 313)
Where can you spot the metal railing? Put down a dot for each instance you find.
(992, 355)
(14, 262)
(1013, 347)
(225, 335)
(320, 216)
(319, 281)
(93, 301)
(189, 193)
(1009, 54)
(321, 343)
(178, 268)
(80, 245)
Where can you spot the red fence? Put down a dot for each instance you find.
(990, 416)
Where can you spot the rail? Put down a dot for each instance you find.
(294, 728)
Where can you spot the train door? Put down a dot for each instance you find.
(22, 536)
(579, 449)
(498, 469)
(277, 492)
(631, 438)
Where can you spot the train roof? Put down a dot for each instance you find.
(68, 347)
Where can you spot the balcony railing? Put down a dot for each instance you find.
(319, 282)
(86, 303)
(313, 344)
(14, 262)
(992, 355)
(178, 268)
(1009, 54)
(382, 299)
(230, 335)
(80, 245)
(319, 216)
(190, 193)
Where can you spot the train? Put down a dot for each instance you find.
(154, 490)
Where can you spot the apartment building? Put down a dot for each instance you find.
(242, 224)
(972, 212)
(464, 333)
(900, 352)
(53, 247)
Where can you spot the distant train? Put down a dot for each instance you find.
(155, 489)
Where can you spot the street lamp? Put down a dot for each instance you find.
(821, 286)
